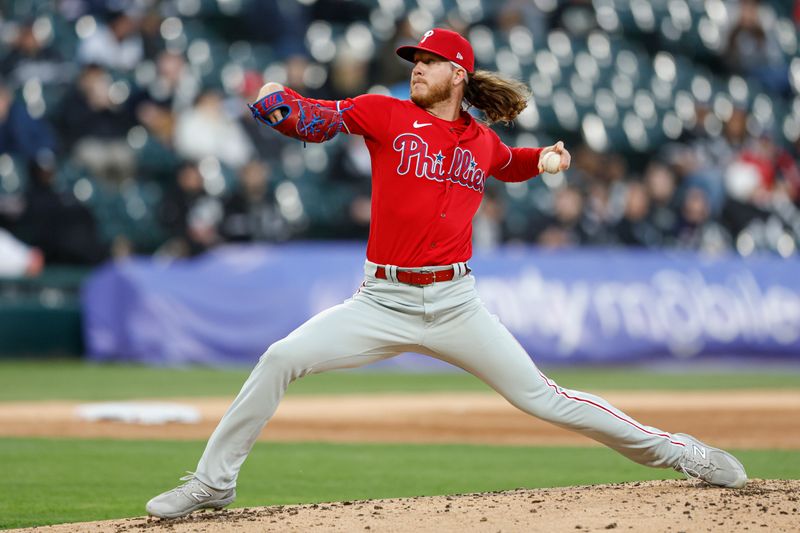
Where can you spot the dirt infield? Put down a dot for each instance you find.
(764, 505)
(741, 419)
(738, 419)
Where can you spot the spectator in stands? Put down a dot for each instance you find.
(661, 187)
(288, 24)
(206, 129)
(586, 165)
(698, 231)
(17, 258)
(175, 85)
(296, 69)
(115, 44)
(150, 32)
(29, 57)
(605, 199)
(600, 215)
(189, 215)
(788, 165)
(251, 213)
(760, 184)
(487, 227)
(93, 127)
(565, 227)
(348, 74)
(157, 159)
(778, 171)
(56, 222)
(171, 91)
(635, 227)
(21, 134)
(754, 51)
(388, 68)
(351, 170)
(746, 201)
(702, 161)
(159, 121)
(11, 207)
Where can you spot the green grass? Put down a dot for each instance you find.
(47, 380)
(59, 480)
(56, 481)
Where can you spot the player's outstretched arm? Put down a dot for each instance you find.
(367, 115)
(290, 114)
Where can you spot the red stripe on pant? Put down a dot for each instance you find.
(590, 402)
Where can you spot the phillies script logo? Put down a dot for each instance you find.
(463, 169)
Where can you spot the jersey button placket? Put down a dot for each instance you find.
(446, 200)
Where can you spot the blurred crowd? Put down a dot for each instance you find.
(124, 129)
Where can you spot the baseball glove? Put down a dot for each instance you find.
(302, 120)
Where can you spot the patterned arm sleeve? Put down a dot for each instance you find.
(367, 115)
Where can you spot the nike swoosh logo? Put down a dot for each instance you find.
(421, 124)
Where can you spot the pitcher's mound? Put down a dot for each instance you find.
(764, 505)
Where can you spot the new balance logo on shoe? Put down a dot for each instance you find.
(199, 496)
(699, 451)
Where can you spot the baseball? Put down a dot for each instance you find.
(551, 162)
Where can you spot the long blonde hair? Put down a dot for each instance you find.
(500, 99)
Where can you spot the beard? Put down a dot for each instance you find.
(435, 94)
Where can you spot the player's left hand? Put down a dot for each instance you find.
(269, 88)
(558, 148)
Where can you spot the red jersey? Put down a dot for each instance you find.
(428, 177)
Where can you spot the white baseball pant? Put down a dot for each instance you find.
(446, 320)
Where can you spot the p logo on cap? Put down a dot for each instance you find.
(444, 43)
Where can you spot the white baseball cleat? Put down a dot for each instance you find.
(189, 497)
(712, 465)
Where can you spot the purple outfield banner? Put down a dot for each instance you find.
(576, 306)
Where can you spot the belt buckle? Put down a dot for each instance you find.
(423, 272)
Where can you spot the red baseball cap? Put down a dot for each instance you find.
(445, 43)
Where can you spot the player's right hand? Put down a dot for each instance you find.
(269, 88)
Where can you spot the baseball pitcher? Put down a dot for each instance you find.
(430, 163)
